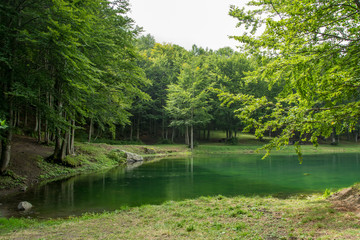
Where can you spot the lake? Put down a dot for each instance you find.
(191, 177)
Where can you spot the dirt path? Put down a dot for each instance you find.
(24, 154)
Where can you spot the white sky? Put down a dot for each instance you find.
(205, 23)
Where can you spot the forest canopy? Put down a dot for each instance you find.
(312, 48)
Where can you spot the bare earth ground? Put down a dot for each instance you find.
(24, 154)
(347, 199)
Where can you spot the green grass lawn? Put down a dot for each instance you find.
(203, 218)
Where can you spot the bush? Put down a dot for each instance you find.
(117, 155)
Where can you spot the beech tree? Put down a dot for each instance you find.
(313, 49)
(187, 100)
(68, 61)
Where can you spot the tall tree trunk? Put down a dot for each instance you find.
(131, 130)
(72, 140)
(208, 134)
(46, 133)
(356, 136)
(333, 137)
(39, 128)
(192, 137)
(6, 150)
(192, 130)
(68, 141)
(187, 135)
(62, 153)
(138, 128)
(91, 129)
(6, 142)
(36, 120)
(163, 125)
(14, 118)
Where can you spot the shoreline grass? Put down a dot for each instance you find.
(216, 217)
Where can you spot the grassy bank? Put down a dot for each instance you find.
(217, 148)
(203, 218)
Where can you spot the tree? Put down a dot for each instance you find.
(187, 100)
(69, 60)
(312, 47)
(162, 64)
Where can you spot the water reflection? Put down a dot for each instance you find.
(175, 179)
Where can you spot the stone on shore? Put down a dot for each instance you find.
(132, 157)
(24, 206)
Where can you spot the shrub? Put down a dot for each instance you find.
(117, 155)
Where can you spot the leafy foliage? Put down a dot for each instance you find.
(311, 48)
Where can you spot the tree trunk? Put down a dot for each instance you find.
(6, 150)
(68, 142)
(90, 129)
(356, 136)
(6, 142)
(187, 135)
(62, 153)
(333, 136)
(39, 128)
(138, 128)
(192, 137)
(47, 133)
(163, 126)
(131, 131)
(15, 119)
(72, 146)
(36, 120)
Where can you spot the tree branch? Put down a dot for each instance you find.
(272, 5)
(357, 2)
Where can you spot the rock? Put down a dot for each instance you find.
(24, 206)
(132, 157)
(149, 151)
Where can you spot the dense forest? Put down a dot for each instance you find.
(70, 67)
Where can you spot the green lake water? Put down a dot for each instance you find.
(184, 178)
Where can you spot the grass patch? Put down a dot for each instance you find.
(202, 218)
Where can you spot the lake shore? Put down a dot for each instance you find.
(219, 217)
(29, 166)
